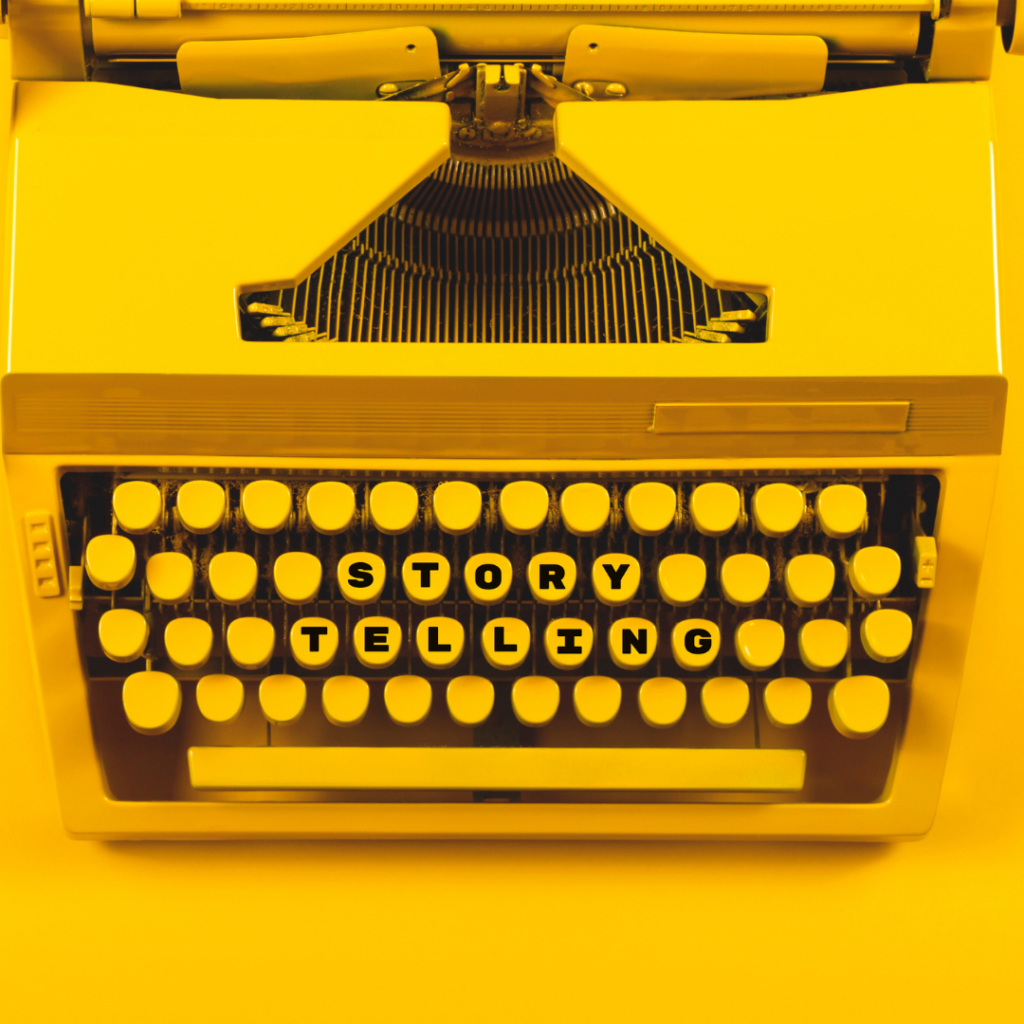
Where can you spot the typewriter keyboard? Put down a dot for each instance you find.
(259, 635)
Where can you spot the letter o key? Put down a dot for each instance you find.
(487, 578)
(695, 643)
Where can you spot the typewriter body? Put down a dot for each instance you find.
(526, 420)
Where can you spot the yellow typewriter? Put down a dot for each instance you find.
(506, 419)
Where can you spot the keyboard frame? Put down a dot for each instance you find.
(905, 810)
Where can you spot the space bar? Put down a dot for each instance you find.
(496, 768)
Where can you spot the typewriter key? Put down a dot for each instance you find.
(822, 644)
(787, 702)
(662, 701)
(724, 701)
(597, 700)
(859, 706)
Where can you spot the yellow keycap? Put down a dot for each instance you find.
(470, 699)
(616, 578)
(787, 702)
(597, 700)
(715, 507)
(662, 701)
(220, 698)
(822, 643)
(138, 506)
(632, 642)
(266, 505)
(535, 700)
(110, 561)
(681, 579)
(283, 699)
(695, 643)
(505, 643)
(251, 642)
(568, 642)
(440, 641)
(201, 506)
(313, 642)
(810, 579)
(123, 634)
(345, 700)
(487, 578)
(650, 507)
(551, 576)
(859, 706)
(778, 509)
(841, 509)
(394, 506)
(886, 634)
(169, 576)
(361, 577)
(425, 577)
(377, 641)
(724, 701)
(188, 643)
(585, 508)
(523, 506)
(152, 702)
(297, 576)
(744, 579)
(457, 506)
(874, 571)
(408, 699)
(233, 576)
(331, 506)
(759, 643)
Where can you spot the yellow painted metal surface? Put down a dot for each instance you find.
(264, 768)
(342, 67)
(694, 65)
(812, 153)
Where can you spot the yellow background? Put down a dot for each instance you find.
(927, 931)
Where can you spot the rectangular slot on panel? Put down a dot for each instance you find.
(781, 417)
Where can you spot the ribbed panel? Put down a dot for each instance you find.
(964, 415)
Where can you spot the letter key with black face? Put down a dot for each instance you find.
(314, 633)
